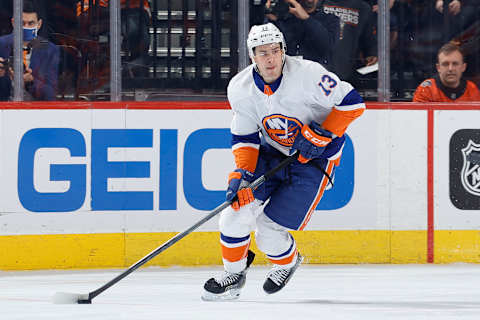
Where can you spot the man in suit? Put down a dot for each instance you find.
(40, 59)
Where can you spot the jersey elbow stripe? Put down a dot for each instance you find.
(252, 138)
(352, 98)
(351, 107)
(338, 121)
(246, 157)
(245, 145)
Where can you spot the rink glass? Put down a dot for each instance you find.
(190, 49)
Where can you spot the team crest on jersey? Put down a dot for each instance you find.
(282, 129)
(470, 175)
(426, 83)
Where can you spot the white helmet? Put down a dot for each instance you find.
(264, 34)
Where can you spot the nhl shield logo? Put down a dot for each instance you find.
(470, 175)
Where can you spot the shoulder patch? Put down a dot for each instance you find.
(426, 83)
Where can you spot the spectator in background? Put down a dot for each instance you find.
(393, 20)
(135, 30)
(136, 17)
(461, 24)
(456, 15)
(453, 7)
(448, 85)
(5, 16)
(309, 32)
(438, 22)
(5, 81)
(356, 45)
(40, 59)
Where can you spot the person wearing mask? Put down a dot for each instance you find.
(40, 59)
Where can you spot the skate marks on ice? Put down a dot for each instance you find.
(326, 291)
(409, 291)
(421, 305)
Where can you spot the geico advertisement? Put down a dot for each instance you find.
(137, 161)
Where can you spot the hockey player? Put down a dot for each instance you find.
(280, 105)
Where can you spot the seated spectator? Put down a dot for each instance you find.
(356, 45)
(448, 85)
(308, 31)
(40, 59)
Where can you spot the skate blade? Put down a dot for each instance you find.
(297, 264)
(230, 295)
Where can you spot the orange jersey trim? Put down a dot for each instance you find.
(235, 254)
(319, 196)
(338, 121)
(267, 90)
(246, 158)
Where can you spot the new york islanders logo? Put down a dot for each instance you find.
(282, 129)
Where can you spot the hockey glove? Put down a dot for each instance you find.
(237, 181)
(311, 142)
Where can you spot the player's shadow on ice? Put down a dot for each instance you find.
(385, 304)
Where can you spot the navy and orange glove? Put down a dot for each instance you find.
(237, 181)
(311, 142)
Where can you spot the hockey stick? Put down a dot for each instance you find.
(86, 298)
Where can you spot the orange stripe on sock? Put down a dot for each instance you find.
(286, 260)
(235, 254)
(323, 185)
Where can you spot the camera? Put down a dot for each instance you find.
(278, 8)
(6, 63)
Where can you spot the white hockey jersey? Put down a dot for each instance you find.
(305, 92)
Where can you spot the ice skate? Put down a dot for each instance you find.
(228, 285)
(278, 277)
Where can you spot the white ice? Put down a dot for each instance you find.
(315, 292)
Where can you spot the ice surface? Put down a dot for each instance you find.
(315, 292)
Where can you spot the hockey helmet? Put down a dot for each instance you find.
(264, 34)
